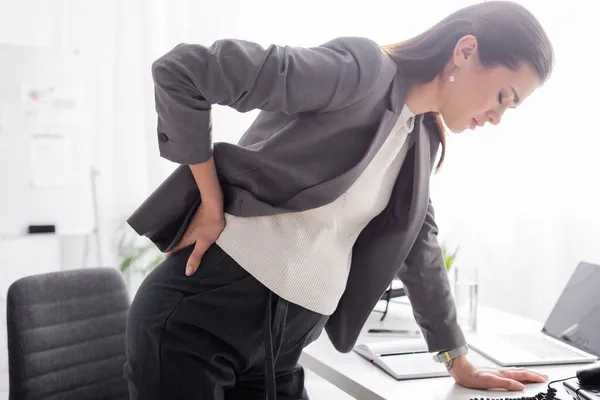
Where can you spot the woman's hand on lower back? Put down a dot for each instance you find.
(208, 222)
(204, 229)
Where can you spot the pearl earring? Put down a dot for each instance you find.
(452, 78)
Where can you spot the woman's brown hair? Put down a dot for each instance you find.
(507, 34)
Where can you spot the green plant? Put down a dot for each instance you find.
(449, 257)
(137, 255)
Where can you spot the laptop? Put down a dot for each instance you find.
(569, 336)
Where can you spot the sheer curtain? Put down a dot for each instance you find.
(520, 199)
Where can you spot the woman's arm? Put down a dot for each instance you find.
(205, 175)
(426, 283)
(208, 221)
(191, 78)
(245, 76)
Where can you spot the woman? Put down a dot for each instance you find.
(303, 225)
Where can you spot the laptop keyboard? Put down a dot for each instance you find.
(543, 347)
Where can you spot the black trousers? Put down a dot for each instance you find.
(219, 334)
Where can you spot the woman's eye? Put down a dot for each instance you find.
(500, 97)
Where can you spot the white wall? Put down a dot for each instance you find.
(520, 199)
(110, 38)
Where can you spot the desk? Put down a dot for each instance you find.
(363, 381)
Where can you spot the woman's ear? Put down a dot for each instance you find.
(465, 51)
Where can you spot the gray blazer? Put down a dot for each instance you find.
(326, 111)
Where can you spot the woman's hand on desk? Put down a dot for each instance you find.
(468, 375)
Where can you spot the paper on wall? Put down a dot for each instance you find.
(46, 104)
(49, 159)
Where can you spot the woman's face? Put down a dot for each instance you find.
(477, 94)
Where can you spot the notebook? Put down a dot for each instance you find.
(402, 359)
(409, 358)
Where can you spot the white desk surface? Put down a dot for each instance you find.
(364, 381)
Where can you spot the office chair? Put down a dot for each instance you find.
(66, 335)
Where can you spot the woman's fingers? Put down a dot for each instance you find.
(523, 375)
(196, 256)
(489, 381)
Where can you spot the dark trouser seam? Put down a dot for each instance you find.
(160, 342)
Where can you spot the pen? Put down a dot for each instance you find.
(395, 331)
(402, 353)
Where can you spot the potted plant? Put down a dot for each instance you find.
(449, 257)
(137, 257)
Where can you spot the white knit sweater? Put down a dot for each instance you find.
(305, 257)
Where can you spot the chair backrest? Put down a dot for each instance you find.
(66, 335)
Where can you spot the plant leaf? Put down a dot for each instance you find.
(126, 263)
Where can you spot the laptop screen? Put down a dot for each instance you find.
(575, 319)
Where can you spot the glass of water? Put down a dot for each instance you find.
(466, 297)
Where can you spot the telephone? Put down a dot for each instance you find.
(587, 387)
(587, 384)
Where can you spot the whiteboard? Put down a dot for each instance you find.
(44, 155)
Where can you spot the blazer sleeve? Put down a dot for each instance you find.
(245, 76)
(426, 283)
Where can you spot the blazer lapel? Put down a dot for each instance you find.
(422, 161)
(422, 172)
(410, 198)
(330, 190)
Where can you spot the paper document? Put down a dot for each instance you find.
(411, 366)
(49, 104)
(371, 350)
(49, 159)
(409, 359)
